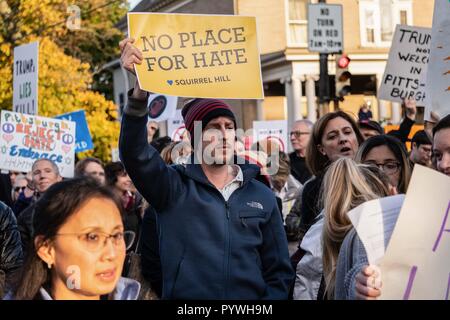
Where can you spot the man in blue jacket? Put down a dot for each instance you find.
(220, 230)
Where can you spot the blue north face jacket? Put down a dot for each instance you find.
(210, 248)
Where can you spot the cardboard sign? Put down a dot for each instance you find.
(83, 140)
(26, 138)
(423, 232)
(325, 34)
(202, 56)
(175, 126)
(25, 81)
(161, 107)
(273, 131)
(406, 69)
(438, 77)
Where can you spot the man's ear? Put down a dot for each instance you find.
(414, 145)
(59, 178)
(45, 250)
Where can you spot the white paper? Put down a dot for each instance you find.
(374, 222)
(25, 81)
(161, 107)
(176, 127)
(274, 130)
(406, 68)
(438, 81)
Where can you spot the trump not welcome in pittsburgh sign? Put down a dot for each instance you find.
(205, 56)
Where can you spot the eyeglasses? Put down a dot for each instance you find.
(17, 189)
(388, 167)
(95, 241)
(297, 134)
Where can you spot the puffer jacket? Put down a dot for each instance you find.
(10, 248)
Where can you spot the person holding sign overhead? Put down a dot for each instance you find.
(221, 233)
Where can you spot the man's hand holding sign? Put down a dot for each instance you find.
(206, 59)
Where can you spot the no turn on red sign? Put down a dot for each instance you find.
(325, 34)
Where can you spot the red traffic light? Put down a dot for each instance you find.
(343, 61)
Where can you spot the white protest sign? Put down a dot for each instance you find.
(161, 107)
(175, 126)
(25, 81)
(438, 76)
(115, 154)
(325, 34)
(273, 131)
(26, 138)
(406, 69)
(374, 222)
(417, 264)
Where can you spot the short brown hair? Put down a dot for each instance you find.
(81, 165)
(315, 160)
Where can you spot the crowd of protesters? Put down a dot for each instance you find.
(171, 221)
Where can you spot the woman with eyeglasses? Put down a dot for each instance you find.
(79, 246)
(388, 154)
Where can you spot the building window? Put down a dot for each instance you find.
(378, 19)
(297, 21)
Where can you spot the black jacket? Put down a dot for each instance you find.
(10, 248)
(25, 225)
(310, 206)
(149, 250)
(298, 168)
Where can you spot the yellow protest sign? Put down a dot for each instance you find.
(417, 264)
(205, 56)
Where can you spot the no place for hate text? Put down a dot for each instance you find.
(213, 39)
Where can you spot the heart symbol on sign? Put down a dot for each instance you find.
(66, 148)
(8, 137)
(170, 82)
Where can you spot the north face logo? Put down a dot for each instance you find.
(255, 204)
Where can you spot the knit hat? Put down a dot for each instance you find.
(204, 110)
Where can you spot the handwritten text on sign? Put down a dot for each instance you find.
(197, 55)
(405, 73)
(423, 273)
(438, 76)
(26, 138)
(25, 82)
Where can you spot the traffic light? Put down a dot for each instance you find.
(343, 76)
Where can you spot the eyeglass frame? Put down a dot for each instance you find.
(298, 134)
(106, 237)
(382, 165)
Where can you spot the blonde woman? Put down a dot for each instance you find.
(346, 185)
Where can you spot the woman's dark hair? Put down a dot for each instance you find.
(112, 171)
(83, 163)
(399, 151)
(444, 123)
(315, 160)
(51, 212)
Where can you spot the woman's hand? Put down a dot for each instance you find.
(368, 283)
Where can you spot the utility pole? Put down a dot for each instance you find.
(324, 83)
